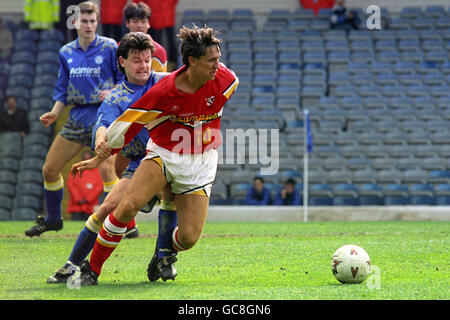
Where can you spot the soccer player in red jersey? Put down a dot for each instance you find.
(182, 113)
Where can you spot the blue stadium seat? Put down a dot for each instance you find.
(30, 189)
(49, 45)
(6, 203)
(370, 194)
(442, 194)
(48, 57)
(42, 92)
(24, 214)
(422, 194)
(46, 68)
(32, 163)
(23, 57)
(5, 215)
(9, 164)
(21, 68)
(320, 194)
(20, 80)
(33, 176)
(396, 194)
(345, 194)
(7, 189)
(26, 45)
(26, 34)
(52, 34)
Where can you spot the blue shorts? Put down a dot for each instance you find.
(132, 166)
(78, 127)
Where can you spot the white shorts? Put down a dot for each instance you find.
(186, 173)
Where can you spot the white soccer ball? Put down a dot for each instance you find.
(351, 264)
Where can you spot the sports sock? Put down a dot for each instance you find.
(167, 221)
(108, 186)
(131, 224)
(86, 240)
(53, 194)
(177, 246)
(107, 240)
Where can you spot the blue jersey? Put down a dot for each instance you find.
(83, 74)
(116, 103)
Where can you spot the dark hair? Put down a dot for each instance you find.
(258, 178)
(133, 41)
(89, 7)
(139, 10)
(290, 181)
(194, 41)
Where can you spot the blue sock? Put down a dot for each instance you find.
(84, 244)
(53, 201)
(167, 221)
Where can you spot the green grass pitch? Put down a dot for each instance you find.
(255, 261)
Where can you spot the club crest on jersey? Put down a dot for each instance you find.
(209, 101)
(98, 59)
(174, 108)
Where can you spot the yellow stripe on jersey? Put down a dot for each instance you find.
(138, 116)
(229, 91)
(158, 65)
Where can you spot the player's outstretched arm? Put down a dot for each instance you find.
(48, 118)
(79, 167)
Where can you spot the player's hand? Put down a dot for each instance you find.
(48, 118)
(102, 148)
(79, 167)
(103, 94)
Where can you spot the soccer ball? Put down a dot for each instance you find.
(350, 264)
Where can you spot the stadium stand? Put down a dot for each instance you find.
(29, 74)
(378, 99)
(379, 103)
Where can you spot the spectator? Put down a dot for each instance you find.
(341, 19)
(111, 18)
(84, 191)
(316, 5)
(288, 195)
(6, 41)
(13, 118)
(258, 195)
(163, 21)
(137, 19)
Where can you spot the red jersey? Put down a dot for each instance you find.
(177, 121)
(88, 187)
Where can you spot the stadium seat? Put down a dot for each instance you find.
(5, 215)
(24, 214)
(33, 176)
(6, 203)
(421, 194)
(47, 69)
(23, 57)
(20, 80)
(370, 194)
(396, 194)
(345, 194)
(442, 194)
(9, 164)
(7, 189)
(52, 34)
(320, 195)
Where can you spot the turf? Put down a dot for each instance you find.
(240, 261)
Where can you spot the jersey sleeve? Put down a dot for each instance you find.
(60, 92)
(159, 59)
(128, 125)
(230, 81)
(106, 114)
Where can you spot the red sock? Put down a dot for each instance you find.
(131, 224)
(107, 240)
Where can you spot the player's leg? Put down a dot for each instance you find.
(59, 154)
(120, 163)
(108, 175)
(167, 221)
(86, 239)
(145, 183)
(192, 211)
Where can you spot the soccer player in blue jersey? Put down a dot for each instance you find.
(87, 73)
(134, 57)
